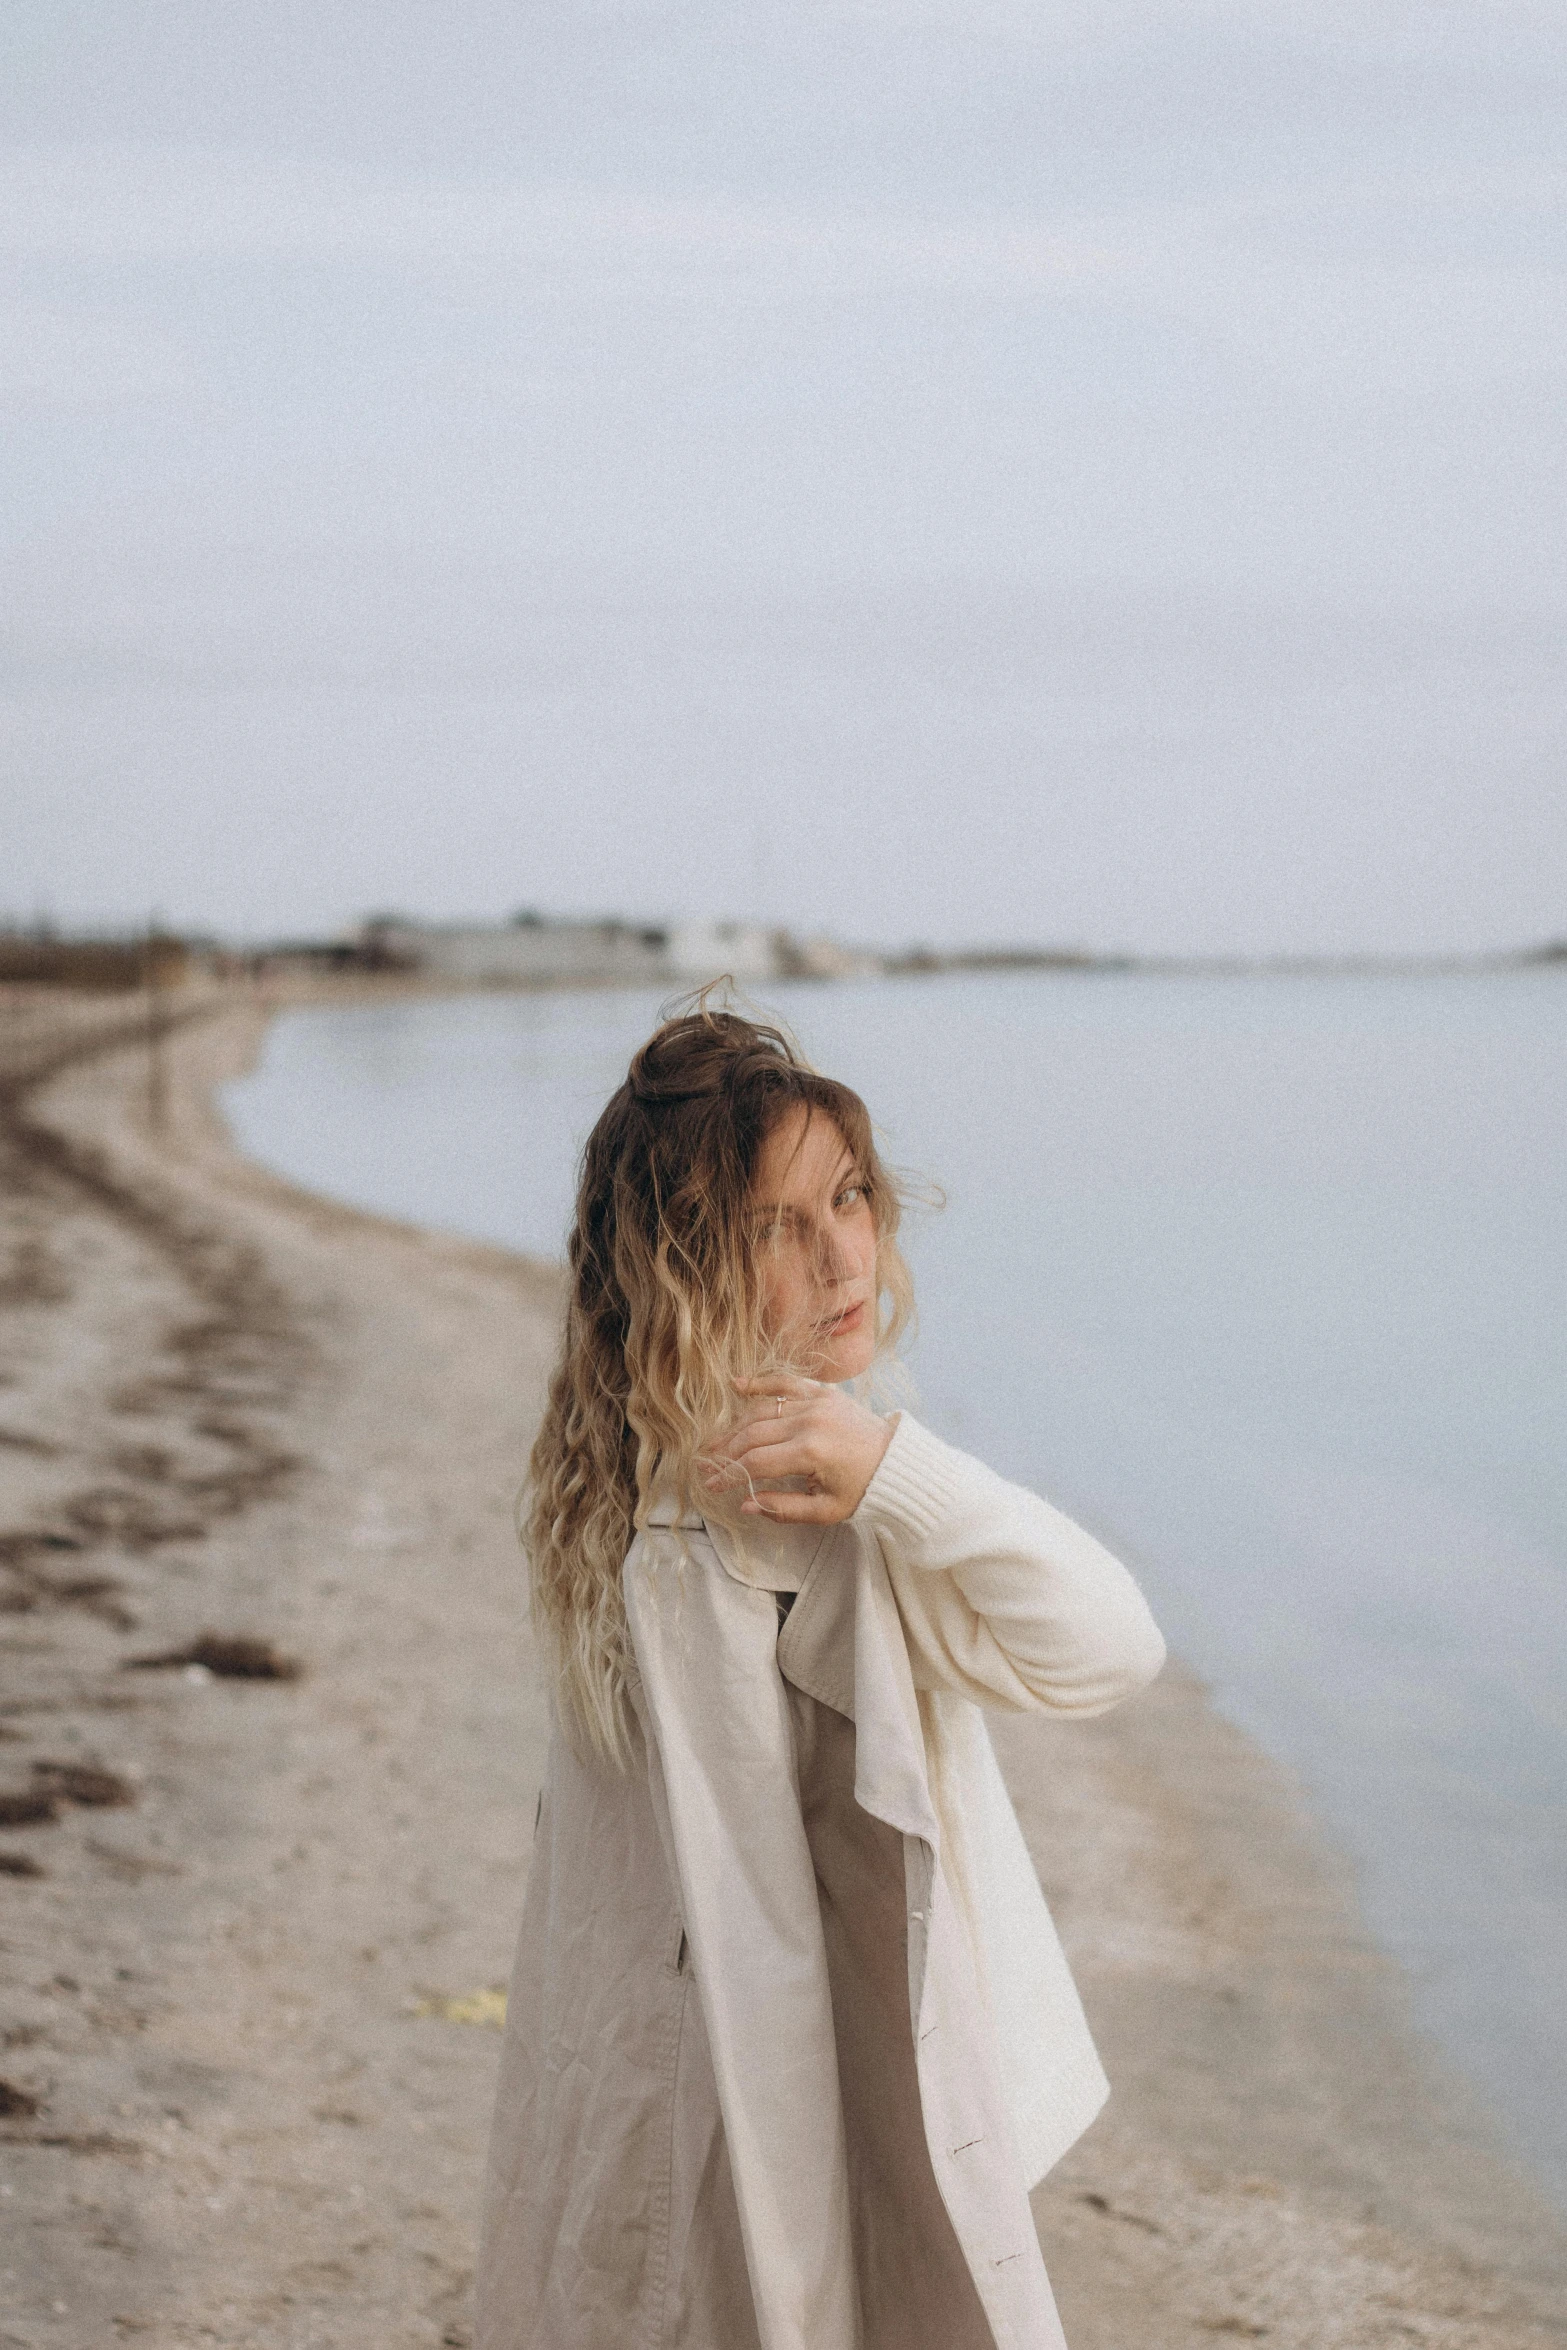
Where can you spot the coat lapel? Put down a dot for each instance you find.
(843, 1644)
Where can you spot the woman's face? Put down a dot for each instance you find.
(816, 1247)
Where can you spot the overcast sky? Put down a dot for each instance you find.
(1086, 473)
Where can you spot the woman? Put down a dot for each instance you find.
(790, 2033)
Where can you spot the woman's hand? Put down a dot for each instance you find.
(800, 1428)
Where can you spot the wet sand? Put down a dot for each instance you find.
(247, 2078)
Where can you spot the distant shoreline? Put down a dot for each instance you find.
(292, 985)
(921, 961)
(314, 982)
(330, 969)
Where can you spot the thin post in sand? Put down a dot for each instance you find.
(157, 1025)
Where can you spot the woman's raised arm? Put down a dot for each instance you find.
(1002, 1597)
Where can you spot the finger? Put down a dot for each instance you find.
(795, 1509)
(762, 1466)
(778, 1383)
(746, 1490)
(783, 1455)
(755, 1425)
(725, 1473)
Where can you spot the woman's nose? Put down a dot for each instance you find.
(833, 1262)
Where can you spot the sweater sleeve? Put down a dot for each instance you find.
(1003, 1598)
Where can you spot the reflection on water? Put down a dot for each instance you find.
(1265, 1279)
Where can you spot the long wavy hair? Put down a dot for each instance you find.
(664, 1314)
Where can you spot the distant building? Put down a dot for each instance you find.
(827, 958)
(533, 950)
(746, 950)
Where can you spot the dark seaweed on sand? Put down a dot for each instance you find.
(85, 1783)
(231, 1656)
(27, 1807)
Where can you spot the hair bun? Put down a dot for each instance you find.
(647, 1082)
(703, 1054)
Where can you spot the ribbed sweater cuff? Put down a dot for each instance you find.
(914, 1486)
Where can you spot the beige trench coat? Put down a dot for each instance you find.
(790, 2033)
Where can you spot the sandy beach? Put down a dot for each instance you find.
(252, 1921)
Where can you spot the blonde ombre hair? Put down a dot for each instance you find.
(664, 1315)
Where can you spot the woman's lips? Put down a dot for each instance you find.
(849, 1320)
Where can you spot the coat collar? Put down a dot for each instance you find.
(665, 1510)
(765, 1556)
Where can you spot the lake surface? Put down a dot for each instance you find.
(1264, 1279)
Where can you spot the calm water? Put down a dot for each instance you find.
(1264, 1279)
